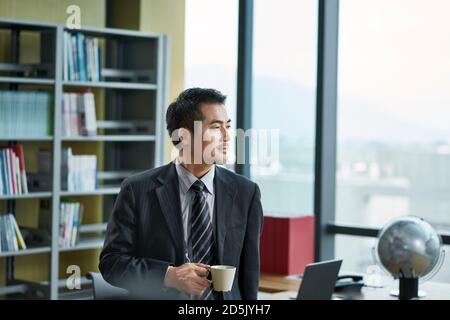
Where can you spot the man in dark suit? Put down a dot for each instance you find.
(170, 224)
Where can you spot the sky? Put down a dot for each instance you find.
(395, 54)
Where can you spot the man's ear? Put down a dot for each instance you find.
(184, 136)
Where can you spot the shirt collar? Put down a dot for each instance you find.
(187, 179)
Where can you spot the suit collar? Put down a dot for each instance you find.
(167, 173)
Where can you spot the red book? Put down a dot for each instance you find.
(18, 149)
(12, 173)
(287, 244)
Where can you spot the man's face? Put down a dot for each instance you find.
(209, 141)
(216, 133)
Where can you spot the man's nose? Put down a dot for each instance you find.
(225, 134)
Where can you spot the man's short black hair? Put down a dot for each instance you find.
(187, 108)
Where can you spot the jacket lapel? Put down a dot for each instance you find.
(224, 197)
(169, 201)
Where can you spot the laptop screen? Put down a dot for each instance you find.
(319, 280)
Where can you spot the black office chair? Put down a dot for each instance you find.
(103, 290)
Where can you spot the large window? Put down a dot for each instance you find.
(284, 88)
(211, 39)
(393, 118)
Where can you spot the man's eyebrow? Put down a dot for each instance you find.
(219, 121)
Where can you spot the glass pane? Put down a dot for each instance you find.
(394, 106)
(284, 88)
(211, 38)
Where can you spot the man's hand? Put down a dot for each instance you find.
(189, 278)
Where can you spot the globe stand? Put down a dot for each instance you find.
(395, 293)
(408, 289)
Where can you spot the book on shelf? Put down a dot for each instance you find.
(78, 172)
(44, 160)
(82, 59)
(41, 181)
(25, 113)
(11, 238)
(70, 217)
(13, 176)
(78, 113)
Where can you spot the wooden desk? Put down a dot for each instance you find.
(272, 283)
(282, 288)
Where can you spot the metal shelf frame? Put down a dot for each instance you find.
(57, 85)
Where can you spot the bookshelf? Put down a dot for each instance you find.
(130, 97)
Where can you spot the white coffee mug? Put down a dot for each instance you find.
(222, 277)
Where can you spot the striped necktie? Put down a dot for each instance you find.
(201, 236)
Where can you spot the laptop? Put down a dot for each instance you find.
(319, 280)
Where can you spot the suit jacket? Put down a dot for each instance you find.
(145, 233)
